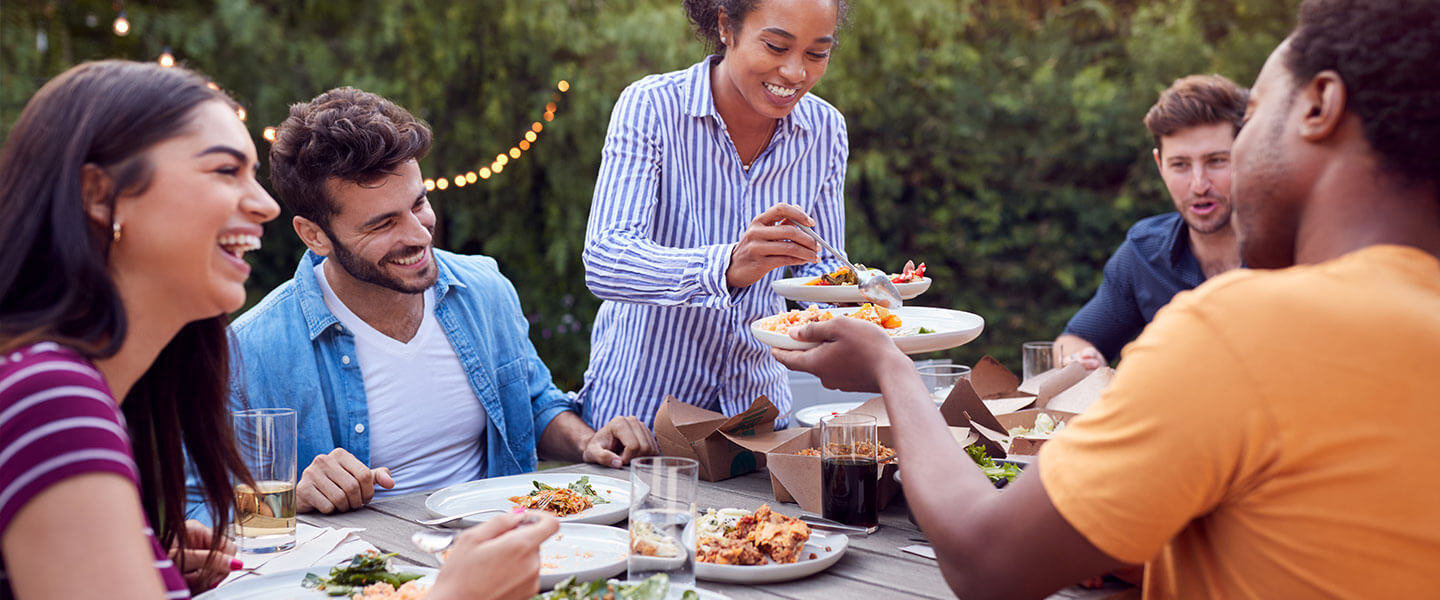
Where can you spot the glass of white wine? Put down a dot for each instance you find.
(265, 513)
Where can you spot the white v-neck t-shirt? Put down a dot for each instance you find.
(426, 424)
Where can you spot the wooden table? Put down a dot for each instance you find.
(872, 568)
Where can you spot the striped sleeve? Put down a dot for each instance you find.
(622, 262)
(57, 420)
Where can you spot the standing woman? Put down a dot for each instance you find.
(128, 199)
(703, 170)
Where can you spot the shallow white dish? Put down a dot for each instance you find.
(584, 551)
(285, 585)
(810, 416)
(794, 288)
(496, 492)
(827, 551)
(677, 592)
(952, 328)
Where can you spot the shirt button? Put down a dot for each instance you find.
(338, 327)
(345, 359)
(359, 428)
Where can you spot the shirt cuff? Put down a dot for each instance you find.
(711, 271)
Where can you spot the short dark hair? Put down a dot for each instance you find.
(1388, 54)
(347, 134)
(1194, 101)
(705, 16)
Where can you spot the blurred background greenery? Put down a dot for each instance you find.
(1000, 141)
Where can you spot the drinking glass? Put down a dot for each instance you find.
(265, 513)
(940, 379)
(662, 509)
(1037, 358)
(848, 469)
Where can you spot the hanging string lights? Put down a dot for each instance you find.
(497, 166)
(524, 144)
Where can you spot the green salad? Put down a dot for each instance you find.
(1006, 471)
(654, 588)
(365, 569)
(580, 486)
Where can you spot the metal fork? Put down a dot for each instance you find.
(876, 288)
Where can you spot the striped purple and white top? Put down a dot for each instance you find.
(670, 203)
(58, 420)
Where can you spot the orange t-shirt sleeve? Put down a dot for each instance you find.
(1176, 434)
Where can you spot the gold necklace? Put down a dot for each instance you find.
(744, 164)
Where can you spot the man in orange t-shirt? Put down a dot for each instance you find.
(1237, 454)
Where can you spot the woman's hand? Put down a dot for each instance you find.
(770, 242)
(852, 355)
(202, 566)
(498, 559)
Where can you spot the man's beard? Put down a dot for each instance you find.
(1205, 227)
(358, 268)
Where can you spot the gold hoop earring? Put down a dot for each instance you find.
(115, 231)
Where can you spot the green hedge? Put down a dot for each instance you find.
(997, 140)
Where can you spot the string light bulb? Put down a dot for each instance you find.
(429, 185)
(240, 112)
(167, 59)
(563, 86)
(514, 152)
(471, 177)
(484, 172)
(524, 145)
(530, 136)
(459, 181)
(442, 183)
(269, 134)
(536, 127)
(122, 25)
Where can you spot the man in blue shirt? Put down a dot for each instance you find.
(1193, 123)
(410, 367)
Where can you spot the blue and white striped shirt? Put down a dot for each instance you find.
(670, 203)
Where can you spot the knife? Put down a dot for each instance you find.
(820, 522)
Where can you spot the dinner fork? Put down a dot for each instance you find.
(876, 288)
(444, 520)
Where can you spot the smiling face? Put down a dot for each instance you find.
(1195, 164)
(382, 234)
(184, 237)
(1268, 179)
(779, 53)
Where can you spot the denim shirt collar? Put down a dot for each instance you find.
(701, 102)
(312, 299)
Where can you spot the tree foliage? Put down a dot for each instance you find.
(998, 140)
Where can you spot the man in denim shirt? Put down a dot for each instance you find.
(1193, 123)
(410, 367)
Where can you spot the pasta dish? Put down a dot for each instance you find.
(752, 538)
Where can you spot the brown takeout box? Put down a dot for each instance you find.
(993, 400)
(725, 447)
(796, 477)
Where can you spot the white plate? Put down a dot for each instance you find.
(810, 416)
(496, 493)
(827, 551)
(585, 551)
(677, 592)
(794, 288)
(952, 328)
(285, 585)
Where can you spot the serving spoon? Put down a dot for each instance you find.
(875, 288)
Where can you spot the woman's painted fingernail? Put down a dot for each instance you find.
(517, 510)
(236, 564)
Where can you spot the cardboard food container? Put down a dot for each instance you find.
(725, 446)
(993, 401)
(796, 477)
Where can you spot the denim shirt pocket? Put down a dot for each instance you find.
(512, 381)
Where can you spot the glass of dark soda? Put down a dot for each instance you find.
(848, 469)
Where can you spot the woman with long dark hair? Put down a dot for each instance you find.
(703, 171)
(128, 199)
